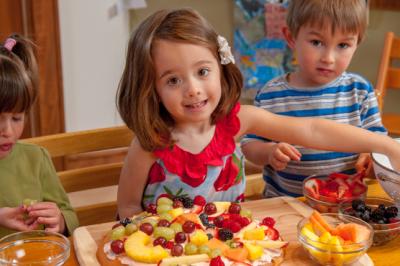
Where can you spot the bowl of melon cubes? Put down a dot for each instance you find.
(334, 239)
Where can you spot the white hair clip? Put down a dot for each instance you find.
(225, 51)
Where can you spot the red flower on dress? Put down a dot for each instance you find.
(156, 173)
(227, 177)
(192, 168)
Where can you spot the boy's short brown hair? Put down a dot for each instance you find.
(345, 15)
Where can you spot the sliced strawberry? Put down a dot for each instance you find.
(313, 186)
(268, 221)
(199, 200)
(330, 196)
(235, 227)
(244, 221)
(332, 186)
(271, 233)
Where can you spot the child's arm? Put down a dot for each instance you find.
(12, 218)
(270, 153)
(133, 180)
(55, 212)
(314, 133)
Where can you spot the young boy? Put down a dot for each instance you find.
(324, 35)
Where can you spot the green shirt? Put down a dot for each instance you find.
(28, 172)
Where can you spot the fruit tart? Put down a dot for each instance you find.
(185, 231)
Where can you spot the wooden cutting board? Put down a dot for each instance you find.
(285, 210)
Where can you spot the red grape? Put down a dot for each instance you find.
(180, 237)
(234, 208)
(159, 241)
(177, 250)
(163, 223)
(117, 246)
(146, 228)
(151, 208)
(188, 227)
(210, 208)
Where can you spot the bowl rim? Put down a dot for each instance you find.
(364, 245)
(65, 243)
(307, 195)
(341, 206)
(373, 154)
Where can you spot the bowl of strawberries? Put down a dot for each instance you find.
(325, 193)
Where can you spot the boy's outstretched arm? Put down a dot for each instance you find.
(133, 180)
(316, 133)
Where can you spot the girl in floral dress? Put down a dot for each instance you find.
(179, 93)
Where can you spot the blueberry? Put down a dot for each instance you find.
(365, 216)
(358, 205)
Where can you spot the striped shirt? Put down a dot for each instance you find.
(349, 99)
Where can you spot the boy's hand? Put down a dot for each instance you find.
(364, 163)
(281, 153)
(13, 218)
(48, 214)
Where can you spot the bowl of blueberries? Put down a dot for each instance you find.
(382, 214)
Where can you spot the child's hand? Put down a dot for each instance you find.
(282, 153)
(13, 218)
(364, 163)
(48, 214)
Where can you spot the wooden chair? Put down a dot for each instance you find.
(92, 189)
(389, 78)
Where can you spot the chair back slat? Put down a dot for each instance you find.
(393, 78)
(90, 177)
(395, 52)
(84, 141)
(389, 78)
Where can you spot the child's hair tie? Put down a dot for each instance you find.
(10, 43)
(225, 51)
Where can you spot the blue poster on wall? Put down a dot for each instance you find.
(259, 45)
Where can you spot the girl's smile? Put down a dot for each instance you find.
(188, 81)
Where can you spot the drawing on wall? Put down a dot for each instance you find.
(259, 45)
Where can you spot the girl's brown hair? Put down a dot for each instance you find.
(345, 15)
(18, 75)
(137, 100)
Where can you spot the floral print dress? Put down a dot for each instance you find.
(217, 173)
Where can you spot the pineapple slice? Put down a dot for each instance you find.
(137, 249)
(254, 234)
(255, 251)
(199, 238)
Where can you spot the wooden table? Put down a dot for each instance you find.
(387, 255)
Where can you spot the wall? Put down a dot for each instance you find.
(367, 58)
(93, 52)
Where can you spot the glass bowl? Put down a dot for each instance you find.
(388, 178)
(383, 233)
(336, 252)
(325, 204)
(34, 248)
